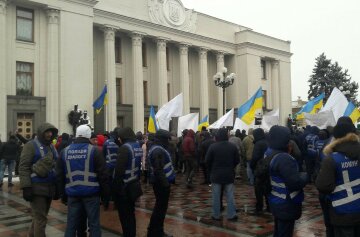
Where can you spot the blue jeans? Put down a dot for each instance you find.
(229, 193)
(92, 207)
(249, 173)
(10, 164)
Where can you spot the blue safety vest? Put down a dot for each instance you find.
(81, 179)
(168, 167)
(279, 192)
(132, 171)
(40, 152)
(311, 139)
(345, 199)
(110, 150)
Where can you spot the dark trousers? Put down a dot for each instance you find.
(156, 225)
(191, 164)
(283, 228)
(205, 172)
(325, 206)
(126, 211)
(81, 229)
(346, 231)
(310, 166)
(259, 194)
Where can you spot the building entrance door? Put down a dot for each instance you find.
(24, 124)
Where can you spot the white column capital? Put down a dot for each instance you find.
(220, 57)
(275, 63)
(161, 43)
(203, 52)
(184, 48)
(109, 32)
(3, 4)
(136, 38)
(53, 15)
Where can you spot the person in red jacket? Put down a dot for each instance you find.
(189, 156)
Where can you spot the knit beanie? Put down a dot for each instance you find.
(344, 126)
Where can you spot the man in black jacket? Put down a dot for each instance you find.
(204, 146)
(9, 153)
(258, 154)
(127, 178)
(162, 174)
(221, 159)
(339, 179)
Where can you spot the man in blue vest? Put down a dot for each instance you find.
(162, 174)
(287, 182)
(339, 178)
(126, 180)
(311, 152)
(110, 152)
(82, 174)
(37, 176)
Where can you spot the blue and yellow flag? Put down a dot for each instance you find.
(101, 100)
(152, 126)
(311, 107)
(352, 112)
(246, 112)
(203, 123)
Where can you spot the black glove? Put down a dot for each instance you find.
(27, 194)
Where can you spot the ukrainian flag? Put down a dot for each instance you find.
(352, 112)
(311, 106)
(246, 112)
(203, 123)
(101, 100)
(152, 126)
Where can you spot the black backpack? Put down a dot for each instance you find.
(262, 173)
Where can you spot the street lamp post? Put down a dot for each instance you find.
(222, 80)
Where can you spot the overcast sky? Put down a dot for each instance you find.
(312, 26)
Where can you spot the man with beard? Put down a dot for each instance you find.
(37, 176)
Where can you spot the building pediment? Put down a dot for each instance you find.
(172, 13)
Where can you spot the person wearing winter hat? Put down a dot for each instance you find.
(286, 196)
(82, 179)
(339, 179)
(162, 175)
(37, 176)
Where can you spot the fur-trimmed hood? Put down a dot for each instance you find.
(348, 145)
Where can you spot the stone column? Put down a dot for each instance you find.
(184, 76)
(3, 98)
(110, 77)
(53, 85)
(275, 92)
(204, 85)
(219, 66)
(162, 72)
(138, 101)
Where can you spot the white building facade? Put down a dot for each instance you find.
(55, 54)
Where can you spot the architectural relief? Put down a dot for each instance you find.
(172, 13)
(2, 6)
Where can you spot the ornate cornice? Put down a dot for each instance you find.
(263, 48)
(3, 6)
(89, 3)
(53, 15)
(131, 22)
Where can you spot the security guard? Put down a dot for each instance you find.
(339, 178)
(37, 176)
(162, 174)
(286, 195)
(110, 152)
(126, 180)
(82, 174)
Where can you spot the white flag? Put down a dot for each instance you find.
(337, 103)
(241, 125)
(270, 119)
(321, 119)
(171, 109)
(189, 121)
(225, 121)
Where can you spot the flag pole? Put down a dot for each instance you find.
(106, 112)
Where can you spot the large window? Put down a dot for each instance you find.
(145, 92)
(263, 69)
(24, 78)
(144, 59)
(118, 56)
(119, 92)
(24, 24)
